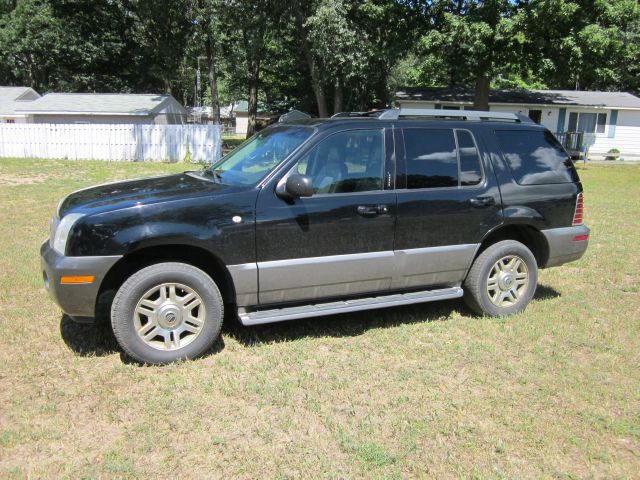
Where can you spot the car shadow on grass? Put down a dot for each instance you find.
(357, 323)
(98, 340)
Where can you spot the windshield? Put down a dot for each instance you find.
(252, 160)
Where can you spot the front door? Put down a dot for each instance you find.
(339, 242)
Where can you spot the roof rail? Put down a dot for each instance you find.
(371, 113)
(475, 115)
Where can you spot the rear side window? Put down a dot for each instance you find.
(434, 162)
(431, 158)
(535, 157)
(470, 171)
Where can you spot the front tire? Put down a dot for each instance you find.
(502, 280)
(167, 312)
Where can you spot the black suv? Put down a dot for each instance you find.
(318, 217)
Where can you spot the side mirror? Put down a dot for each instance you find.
(298, 186)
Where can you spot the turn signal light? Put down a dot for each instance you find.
(65, 280)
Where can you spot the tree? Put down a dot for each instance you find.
(208, 16)
(472, 41)
(256, 22)
(592, 44)
(160, 36)
(330, 46)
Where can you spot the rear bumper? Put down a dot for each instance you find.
(566, 244)
(76, 300)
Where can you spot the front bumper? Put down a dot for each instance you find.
(76, 300)
(566, 244)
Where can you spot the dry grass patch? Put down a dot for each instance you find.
(418, 391)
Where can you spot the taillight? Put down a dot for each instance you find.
(577, 216)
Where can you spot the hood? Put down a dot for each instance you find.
(143, 191)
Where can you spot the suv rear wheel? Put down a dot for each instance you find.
(502, 280)
(167, 312)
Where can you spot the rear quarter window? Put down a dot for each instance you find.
(535, 157)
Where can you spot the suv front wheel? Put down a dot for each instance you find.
(502, 280)
(167, 312)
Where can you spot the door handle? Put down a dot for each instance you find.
(372, 210)
(482, 201)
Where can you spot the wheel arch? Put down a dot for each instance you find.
(143, 257)
(524, 233)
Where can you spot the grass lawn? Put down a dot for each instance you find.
(420, 391)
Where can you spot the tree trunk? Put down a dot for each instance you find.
(213, 79)
(316, 84)
(253, 97)
(338, 97)
(481, 99)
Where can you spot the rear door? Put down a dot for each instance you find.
(339, 242)
(448, 199)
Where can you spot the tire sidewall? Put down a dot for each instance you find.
(495, 253)
(130, 293)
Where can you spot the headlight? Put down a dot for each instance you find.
(62, 231)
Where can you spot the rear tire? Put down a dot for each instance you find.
(502, 280)
(167, 312)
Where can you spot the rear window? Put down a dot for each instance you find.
(535, 157)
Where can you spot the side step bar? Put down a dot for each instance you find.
(293, 313)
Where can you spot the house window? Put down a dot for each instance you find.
(535, 115)
(587, 122)
(10, 120)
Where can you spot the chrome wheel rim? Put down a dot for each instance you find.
(169, 316)
(507, 281)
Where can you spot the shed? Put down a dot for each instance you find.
(104, 108)
(12, 98)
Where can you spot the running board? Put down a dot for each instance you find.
(344, 306)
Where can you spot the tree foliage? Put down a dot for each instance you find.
(317, 55)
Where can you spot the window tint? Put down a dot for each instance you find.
(535, 157)
(470, 171)
(431, 158)
(351, 161)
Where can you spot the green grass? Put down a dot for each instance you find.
(421, 391)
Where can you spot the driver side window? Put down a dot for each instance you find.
(351, 161)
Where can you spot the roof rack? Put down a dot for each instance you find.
(371, 113)
(475, 115)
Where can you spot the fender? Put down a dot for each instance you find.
(221, 225)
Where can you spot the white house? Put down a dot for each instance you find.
(12, 98)
(103, 108)
(608, 119)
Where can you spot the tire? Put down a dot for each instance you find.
(502, 280)
(167, 312)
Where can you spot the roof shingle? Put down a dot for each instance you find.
(529, 97)
(97, 103)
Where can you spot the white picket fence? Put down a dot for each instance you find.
(126, 142)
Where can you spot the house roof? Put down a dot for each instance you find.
(528, 97)
(10, 99)
(242, 106)
(225, 111)
(100, 104)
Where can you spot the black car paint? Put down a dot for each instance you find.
(187, 209)
(203, 220)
